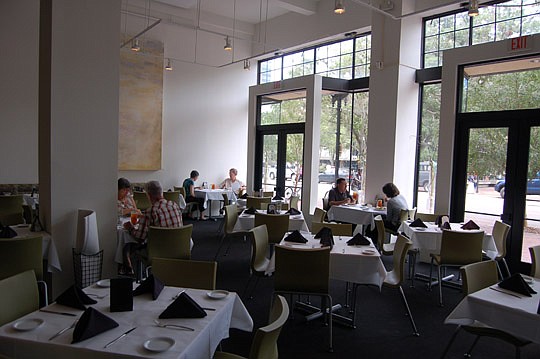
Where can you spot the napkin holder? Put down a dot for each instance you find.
(121, 295)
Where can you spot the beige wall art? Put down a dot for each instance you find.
(141, 107)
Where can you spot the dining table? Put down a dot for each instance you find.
(212, 195)
(502, 309)
(246, 222)
(428, 240)
(29, 336)
(49, 252)
(363, 215)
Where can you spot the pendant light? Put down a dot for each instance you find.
(338, 7)
(473, 8)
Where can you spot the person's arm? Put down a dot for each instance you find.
(333, 201)
(141, 231)
(192, 190)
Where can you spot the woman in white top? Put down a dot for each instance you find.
(232, 182)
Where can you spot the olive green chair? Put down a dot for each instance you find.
(276, 224)
(264, 345)
(293, 202)
(11, 210)
(428, 217)
(477, 276)
(185, 273)
(230, 219)
(500, 234)
(338, 229)
(257, 202)
(535, 261)
(172, 196)
(18, 296)
(141, 200)
(259, 262)
(319, 215)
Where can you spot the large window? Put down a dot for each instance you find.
(496, 21)
(346, 59)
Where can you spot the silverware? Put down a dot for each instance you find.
(64, 330)
(61, 313)
(177, 295)
(97, 296)
(173, 326)
(505, 292)
(208, 308)
(120, 337)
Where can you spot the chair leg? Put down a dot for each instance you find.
(440, 285)
(499, 270)
(415, 331)
(430, 275)
(506, 266)
(451, 341)
(220, 245)
(331, 346)
(468, 354)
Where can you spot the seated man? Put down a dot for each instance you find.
(232, 182)
(162, 213)
(339, 194)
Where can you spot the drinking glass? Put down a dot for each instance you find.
(134, 217)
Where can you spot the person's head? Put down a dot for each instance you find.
(194, 174)
(154, 190)
(341, 184)
(390, 190)
(123, 187)
(233, 172)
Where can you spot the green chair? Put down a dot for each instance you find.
(185, 273)
(478, 276)
(259, 262)
(11, 210)
(18, 296)
(293, 202)
(383, 241)
(338, 229)
(319, 215)
(428, 217)
(264, 345)
(535, 261)
(141, 200)
(172, 196)
(257, 202)
(457, 249)
(305, 271)
(230, 219)
(276, 224)
(500, 233)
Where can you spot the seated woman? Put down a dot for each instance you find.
(189, 187)
(396, 202)
(232, 182)
(125, 204)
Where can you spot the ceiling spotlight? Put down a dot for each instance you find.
(473, 7)
(228, 46)
(338, 7)
(135, 46)
(168, 67)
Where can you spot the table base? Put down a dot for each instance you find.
(315, 313)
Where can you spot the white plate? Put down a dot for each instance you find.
(527, 279)
(158, 344)
(368, 251)
(25, 325)
(104, 283)
(217, 294)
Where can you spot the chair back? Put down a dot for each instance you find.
(226, 201)
(276, 224)
(256, 202)
(535, 261)
(11, 210)
(319, 215)
(172, 196)
(293, 202)
(326, 201)
(427, 217)
(169, 242)
(400, 252)
(381, 234)
(268, 193)
(302, 270)
(182, 190)
(231, 216)
(478, 276)
(460, 248)
(18, 296)
(264, 343)
(141, 200)
(338, 229)
(406, 214)
(259, 246)
(500, 233)
(21, 254)
(185, 273)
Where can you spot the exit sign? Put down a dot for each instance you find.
(520, 43)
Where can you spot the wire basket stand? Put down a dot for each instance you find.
(87, 268)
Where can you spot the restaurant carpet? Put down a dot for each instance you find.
(383, 330)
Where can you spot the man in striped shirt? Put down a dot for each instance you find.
(162, 213)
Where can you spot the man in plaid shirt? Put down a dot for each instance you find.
(163, 213)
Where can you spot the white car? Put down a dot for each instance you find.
(290, 172)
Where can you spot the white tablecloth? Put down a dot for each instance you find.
(209, 331)
(50, 254)
(428, 240)
(355, 213)
(502, 311)
(246, 222)
(214, 195)
(347, 263)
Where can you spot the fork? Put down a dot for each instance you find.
(174, 326)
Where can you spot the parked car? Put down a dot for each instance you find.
(533, 186)
(290, 172)
(329, 176)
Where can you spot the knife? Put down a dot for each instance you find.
(120, 337)
(505, 292)
(61, 313)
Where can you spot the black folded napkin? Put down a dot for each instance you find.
(74, 297)
(418, 223)
(295, 237)
(358, 239)
(293, 211)
(152, 284)
(446, 225)
(517, 284)
(244, 196)
(470, 225)
(325, 234)
(7, 232)
(250, 210)
(183, 307)
(92, 323)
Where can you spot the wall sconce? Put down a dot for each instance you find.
(168, 67)
(473, 8)
(135, 46)
(338, 7)
(228, 46)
